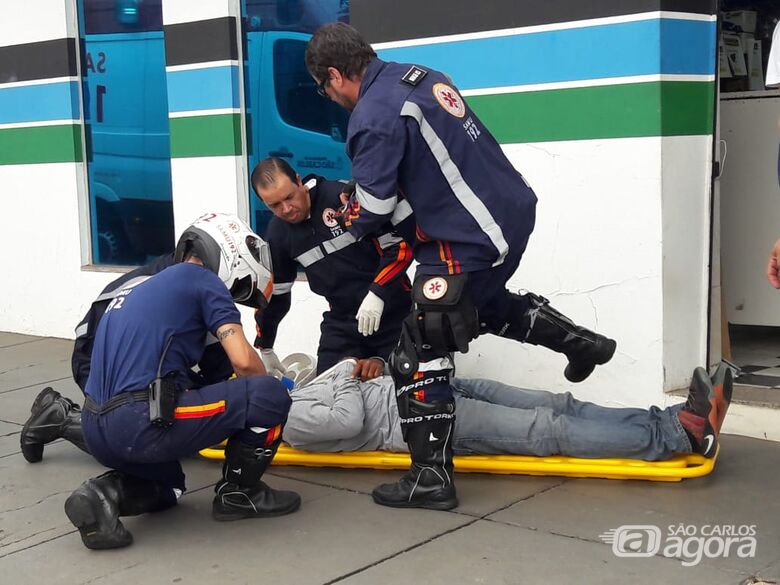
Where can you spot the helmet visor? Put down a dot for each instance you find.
(242, 289)
(253, 244)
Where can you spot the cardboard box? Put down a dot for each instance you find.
(734, 54)
(744, 19)
(724, 71)
(746, 39)
(755, 67)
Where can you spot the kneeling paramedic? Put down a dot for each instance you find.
(142, 412)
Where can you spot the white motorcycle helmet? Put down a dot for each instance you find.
(230, 249)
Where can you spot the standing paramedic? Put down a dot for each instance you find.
(413, 139)
(364, 281)
(143, 412)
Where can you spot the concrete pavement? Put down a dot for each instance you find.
(514, 529)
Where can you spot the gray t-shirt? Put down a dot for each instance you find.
(336, 412)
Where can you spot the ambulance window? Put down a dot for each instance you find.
(126, 126)
(296, 94)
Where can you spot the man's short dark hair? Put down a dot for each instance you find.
(340, 46)
(266, 171)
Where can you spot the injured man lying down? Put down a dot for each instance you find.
(339, 412)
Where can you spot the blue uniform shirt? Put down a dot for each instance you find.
(412, 136)
(185, 300)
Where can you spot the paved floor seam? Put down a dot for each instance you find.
(318, 483)
(400, 552)
(66, 378)
(35, 503)
(113, 572)
(3, 556)
(474, 520)
(735, 571)
(22, 343)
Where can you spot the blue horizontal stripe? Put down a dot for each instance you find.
(38, 103)
(203, 89)
(648, 47)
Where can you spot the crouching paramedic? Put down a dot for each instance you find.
(142, 410)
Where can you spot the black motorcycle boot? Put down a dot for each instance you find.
(241, 493)
(52, 417)
(698, 417)
(429, 483)
(535, 321)
(96, 505)
(723, 387)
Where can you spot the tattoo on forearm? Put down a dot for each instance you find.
(226, 333)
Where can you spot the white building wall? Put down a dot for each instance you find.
(620, 246)
(685, 201)
(595, 253)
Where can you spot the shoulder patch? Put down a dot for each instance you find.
(449, 99)
(414, 75)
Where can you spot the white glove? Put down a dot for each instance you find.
(369, 314)
(271, 361)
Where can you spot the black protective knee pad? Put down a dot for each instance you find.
(404, 359)
(449, 318)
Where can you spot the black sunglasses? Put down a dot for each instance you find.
(321, 88)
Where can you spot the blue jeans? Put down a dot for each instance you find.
(494, 418)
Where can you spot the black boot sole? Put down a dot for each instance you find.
(222, 513)
(33, 452)
(440, 505)
(78, 508)
(577, 374)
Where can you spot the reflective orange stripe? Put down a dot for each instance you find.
(400, 263)
(273, 434)
(443, 257)
(269, 289)
(454, 262)
(257, 324)
(200, 411)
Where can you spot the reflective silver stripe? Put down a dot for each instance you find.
(374, 204)
(129, 284)
(310, 257)
(81, 330)
(387, 240)
(338, 243)
(330, 246)
(460, 188)
(402, 211)
(282, 288)
(443, 363)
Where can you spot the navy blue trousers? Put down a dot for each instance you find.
(341, 339)
(125, 440)
(490, 296)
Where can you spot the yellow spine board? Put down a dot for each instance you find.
(679, 467)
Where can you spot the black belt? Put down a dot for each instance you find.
(115, 402)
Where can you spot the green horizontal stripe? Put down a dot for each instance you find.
(665, 108)
(40, 144)
(218, 135)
